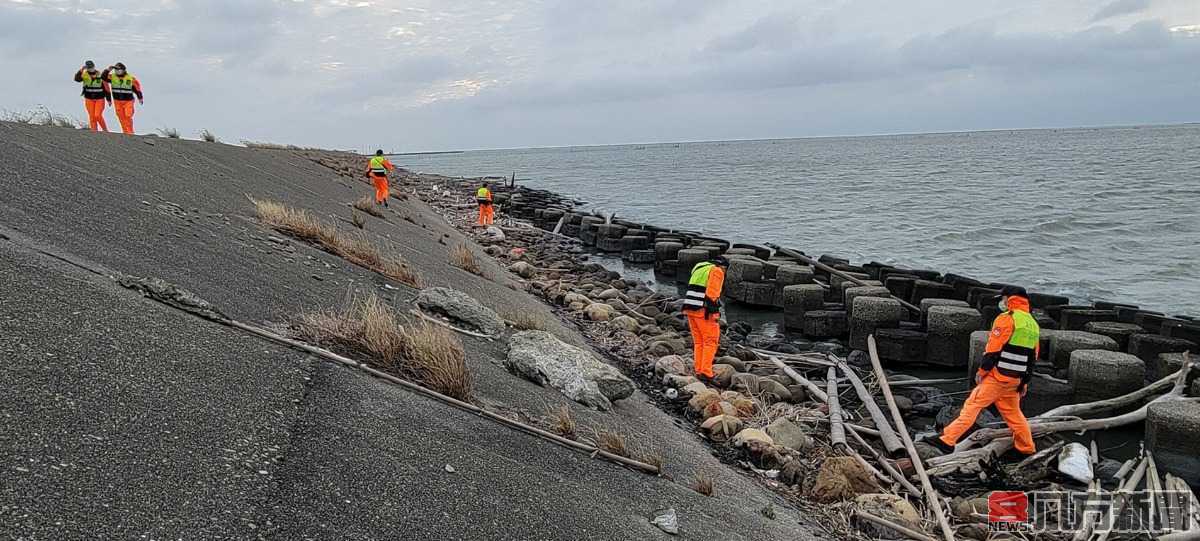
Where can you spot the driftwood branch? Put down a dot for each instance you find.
(891, 441)
(837, 432)
(435, 320)
(887, 466)
(935, 500)
(812, 388)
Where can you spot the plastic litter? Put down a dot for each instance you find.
(667, 521)
(1075, 462)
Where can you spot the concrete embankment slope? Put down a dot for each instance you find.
(124, 418)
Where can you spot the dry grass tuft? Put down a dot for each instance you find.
(562, 422)
(356, 249)
(463, 258)
(528, 321)
(274, 146)
(425, 353)
(357, 220)
(42, 116)
(209, 136)
(703, 483)
(435, 357)
(170, 133)
(654, 459)
(367, 205)
(613, 442)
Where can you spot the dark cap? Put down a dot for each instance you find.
(379, 153)
(119, 65)
(1010, 291)
(89, 64)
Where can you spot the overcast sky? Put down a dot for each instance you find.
(456, 74)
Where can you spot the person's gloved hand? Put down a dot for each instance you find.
(1023, 388)
(141, 102)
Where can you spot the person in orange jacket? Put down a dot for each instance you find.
(487, 213)
(124, 87)
(377, 170)
(1004, 375)
(702, 305)
(95, 94)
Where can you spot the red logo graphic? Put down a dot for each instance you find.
(1008, 506)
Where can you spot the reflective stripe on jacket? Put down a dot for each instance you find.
(379, 166)
(704, 289)
(1014, 342)
(123, 88)
(93, 87)
(483, 195)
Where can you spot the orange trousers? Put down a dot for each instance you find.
(706, 337)
(487, 213)
(95, 112)
(1001, 390)
(124, 109)
(381, 188)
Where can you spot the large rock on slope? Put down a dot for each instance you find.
(542, 358)
(461, 307)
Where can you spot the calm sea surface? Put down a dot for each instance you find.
(1097, 214)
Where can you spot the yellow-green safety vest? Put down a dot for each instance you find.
(1018, 355)
(122, 87)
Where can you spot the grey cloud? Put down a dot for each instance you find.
(774, 30)
(1120, 7)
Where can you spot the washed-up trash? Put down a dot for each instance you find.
(1075, 462)
(450, 469)
(666, 520)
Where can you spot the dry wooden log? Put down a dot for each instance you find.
(1042, 455)
(925, 382)
(1128, 485)
(891, 441)
(1158, 500)
(934, 499)
(883, 462)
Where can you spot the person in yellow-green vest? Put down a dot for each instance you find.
(702, 305)
(1004, 375)
(95, 94)
(487, 213)
(124, 87)
(377, 170)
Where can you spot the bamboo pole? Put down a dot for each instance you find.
(1129, 485)
(883, 462)
(935, 501)
(891, 441)
(810, 386)
(837, 431)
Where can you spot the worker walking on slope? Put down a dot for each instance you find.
(377, 170)
(95, 94)
(1003, 377)
(124, 88)
(702, 304)
(486, 211)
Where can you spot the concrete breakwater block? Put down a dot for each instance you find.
(839, 294)
(1098, 374)
(1042, 300)
(1187, 330)
(1148, 347)
(1076, 319)
(978, 341)
(799, 299)
(770, 268)
(608, 244)
(645, 257)
(610, 231)
(1116, 330)
(836, 281)
(757, 293)
(978, 296)
(851, 293)
(926, 304)
(901, 345)
(1150, 321)
(743, 270)
(1045, 395)
(667, 250)
(687, 260)
(1128, 315)
(1064, 343)
(1172, 430)
(635, 242)
(871, 313)
(788, 275)
(900, 285)
(761, 252)
(926, 289)
(824, 323)
(950, 329)
(1166, 364)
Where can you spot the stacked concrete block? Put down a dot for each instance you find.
(757, 293)
(927, 289)
(1076, 319)
(852, 293)
(1172, 430)
(589, 230)
(667, 250)
(1044, 395)
(978, 346)
(962, 285)
(1151, 321)
(608, 237)
(761, 252)
(1148, 347)
(798, 299)
(1064, 343)
(979, 296)
(741, 272)
(871, 313)
(1115, 330)
(687, 259)
(739, 251)
(824, 323)
(902, 345)
(789, 275)
(644, 257)
(1128, 315)
(926, 304)
(1187, 330)
(839, 294)
(1166, 364)
(1099, 374)
(835, 281)
(1042, 300)
(900, 285)
(950, 329)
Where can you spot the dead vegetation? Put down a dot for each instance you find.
(274, 146)
(209, 136)
(562, 422)
(613, 442)
(528, 321)
(42, 116)
(357, 220)
(169, 133)
(367, 327)
(356, 249)
(367, 205)
(463, 258)
(703, 483)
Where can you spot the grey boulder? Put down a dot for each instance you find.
(461, 307)
(544, 359)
